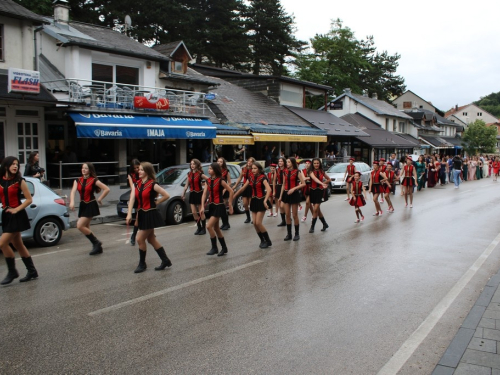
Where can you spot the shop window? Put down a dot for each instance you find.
(2, 57)
(27, 139)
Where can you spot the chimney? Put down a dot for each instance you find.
(347, 91)
(374, 95)
(61, 11)
(365, 93)
(456, 107)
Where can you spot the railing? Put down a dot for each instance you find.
(100, 95)
(73, 170)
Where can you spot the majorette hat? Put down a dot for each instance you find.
(306, 161)
(381, 159)
(352, 159)
(375, 162)
(273, 165)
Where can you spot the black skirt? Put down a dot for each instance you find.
(195, 197)
(149, 219)
(408, 181)
(293, 198)
(247, 193)
(13, 223)
(377, 189)
(217, 210)
(88, 209)
(278, 191)
(225, 195)
(316, 196)
(257, 205)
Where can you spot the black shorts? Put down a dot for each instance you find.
(316, 196)
(217, 210)
(293, 198)
(195, 197)
(377, 189)
(149, 219)
(257, 205)
(13, 223)
(88, 209)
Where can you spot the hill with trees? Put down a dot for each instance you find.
(490, 103)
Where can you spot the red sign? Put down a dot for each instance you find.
(143, 102)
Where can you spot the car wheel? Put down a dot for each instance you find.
(175, 213)
(238, 206)
(48, 232)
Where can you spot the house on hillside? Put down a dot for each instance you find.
(470, 113)
(409, 100)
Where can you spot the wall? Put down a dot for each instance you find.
(18, 44)
(414, 99)
(472, 115)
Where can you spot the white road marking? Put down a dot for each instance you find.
(172, 289)
(418, 336)
(49, 253)
(114, 225)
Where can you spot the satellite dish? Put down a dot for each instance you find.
(128, 21)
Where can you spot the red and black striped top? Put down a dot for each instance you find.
(351, 169)
(382, 168)
(270, 177)
(11, 192)
(358, 187)
(145, 195)
(215, 190)
(225, 172)
(258, 187)
(194, 180)
(87, 187)
(390, 176)
(134, 177)
(279, 176)
(320, 175)
(247, 172)
(304, 172)
(291, 178)
(408, 172)
(376, 177)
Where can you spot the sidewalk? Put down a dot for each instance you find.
(108, 208)
(475, 350)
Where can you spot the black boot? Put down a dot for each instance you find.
(263, 243)
(223, 250)
(225, 222)
(96, 244)
(32, 274)
(267, 239)
(296, 237)
(325, 225)
(13, 274)
(289, 232)
(214, 250)
(203, 227)
(165, 262)
(283, 221)
(198, 224)
(142, 262)
(313, 223)
(134, 233)
(248, 217)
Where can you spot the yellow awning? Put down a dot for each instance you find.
(262, 137)
(234, 140)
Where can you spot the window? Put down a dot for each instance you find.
(2, 57)
(394, 126)
(480, 113)
(402, 127)
(115, 73)
(407, 105)
(177, 67)
(386, 124)
(27, 139)
(464, 113)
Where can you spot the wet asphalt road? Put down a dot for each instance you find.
(339, 302)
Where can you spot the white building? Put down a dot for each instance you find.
(410, 100)
(470, 113)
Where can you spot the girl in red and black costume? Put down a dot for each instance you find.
(214, 192)
(133, 177)
(145, 192)
(306, 189)
(270, 179)
(409, 174)
(195, 179)
(277, 187)
(349, 177)
(244, 176)
(14, 219)
(226, 176)
(261, 191)
(388, 184)
(376, 188)
(382, 167)
(318, 191)
(87, 186)
(293, 181)
(358, 199)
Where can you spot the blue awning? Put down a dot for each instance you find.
(127, 126)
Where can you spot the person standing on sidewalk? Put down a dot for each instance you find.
(14, 219)
(457, 169)
(194, 178)
(293, 181)
(87, 186)
(317, 192)
(214, 193)
(145, 192)
(133, 177)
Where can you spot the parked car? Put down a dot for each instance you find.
(173, 180)
(48, 215)
(337, 171)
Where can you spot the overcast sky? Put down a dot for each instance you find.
(450, 50)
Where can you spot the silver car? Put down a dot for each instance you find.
(337, 171)
(48, 214)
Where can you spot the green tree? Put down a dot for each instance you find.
(42, 7)
(340, 60)
(479, 138)
(271, 32)
(490, 103)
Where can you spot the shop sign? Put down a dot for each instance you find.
(24, 81)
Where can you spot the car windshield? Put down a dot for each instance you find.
(172, 175)
(338, 168)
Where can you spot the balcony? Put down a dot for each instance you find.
(99, 96)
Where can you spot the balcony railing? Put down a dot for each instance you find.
(98, 95)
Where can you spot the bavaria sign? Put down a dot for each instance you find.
(24, 81)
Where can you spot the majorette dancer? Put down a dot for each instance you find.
(132, 178)
(226, 176)
(318, 192)
(409, 174)
(388, 185)
(358, 199)
(382, 166)
(195, 180)
(306, 189)
(375, 186)
(348, 177)
(293, 181)
(277, 187)
(270, 179)
(247, 194)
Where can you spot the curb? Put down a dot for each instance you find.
(455, 351)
